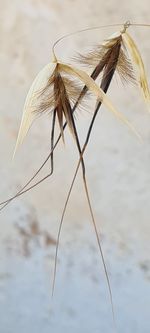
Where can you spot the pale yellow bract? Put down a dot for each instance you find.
(31, 100)
(137, 60)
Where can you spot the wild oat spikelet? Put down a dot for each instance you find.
(129, 66)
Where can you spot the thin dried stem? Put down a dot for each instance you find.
(125, 25)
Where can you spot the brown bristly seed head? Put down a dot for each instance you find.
(124, 66)
(93, 57)
(49, 97)
(60, 94)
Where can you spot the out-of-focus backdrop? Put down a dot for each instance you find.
(118, 171)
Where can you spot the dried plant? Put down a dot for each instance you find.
(57, 90)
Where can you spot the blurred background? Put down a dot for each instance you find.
(118, 177)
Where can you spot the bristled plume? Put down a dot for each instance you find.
(102, 53)
(59, 94)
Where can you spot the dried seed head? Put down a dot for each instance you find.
(102, 53)
(50, 96)
(50, 91)
(59, 94)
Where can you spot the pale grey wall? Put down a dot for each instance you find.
(118, 169)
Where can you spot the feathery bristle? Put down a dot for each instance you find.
(124, 68)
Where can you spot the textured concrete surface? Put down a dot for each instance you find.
(118, 176)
